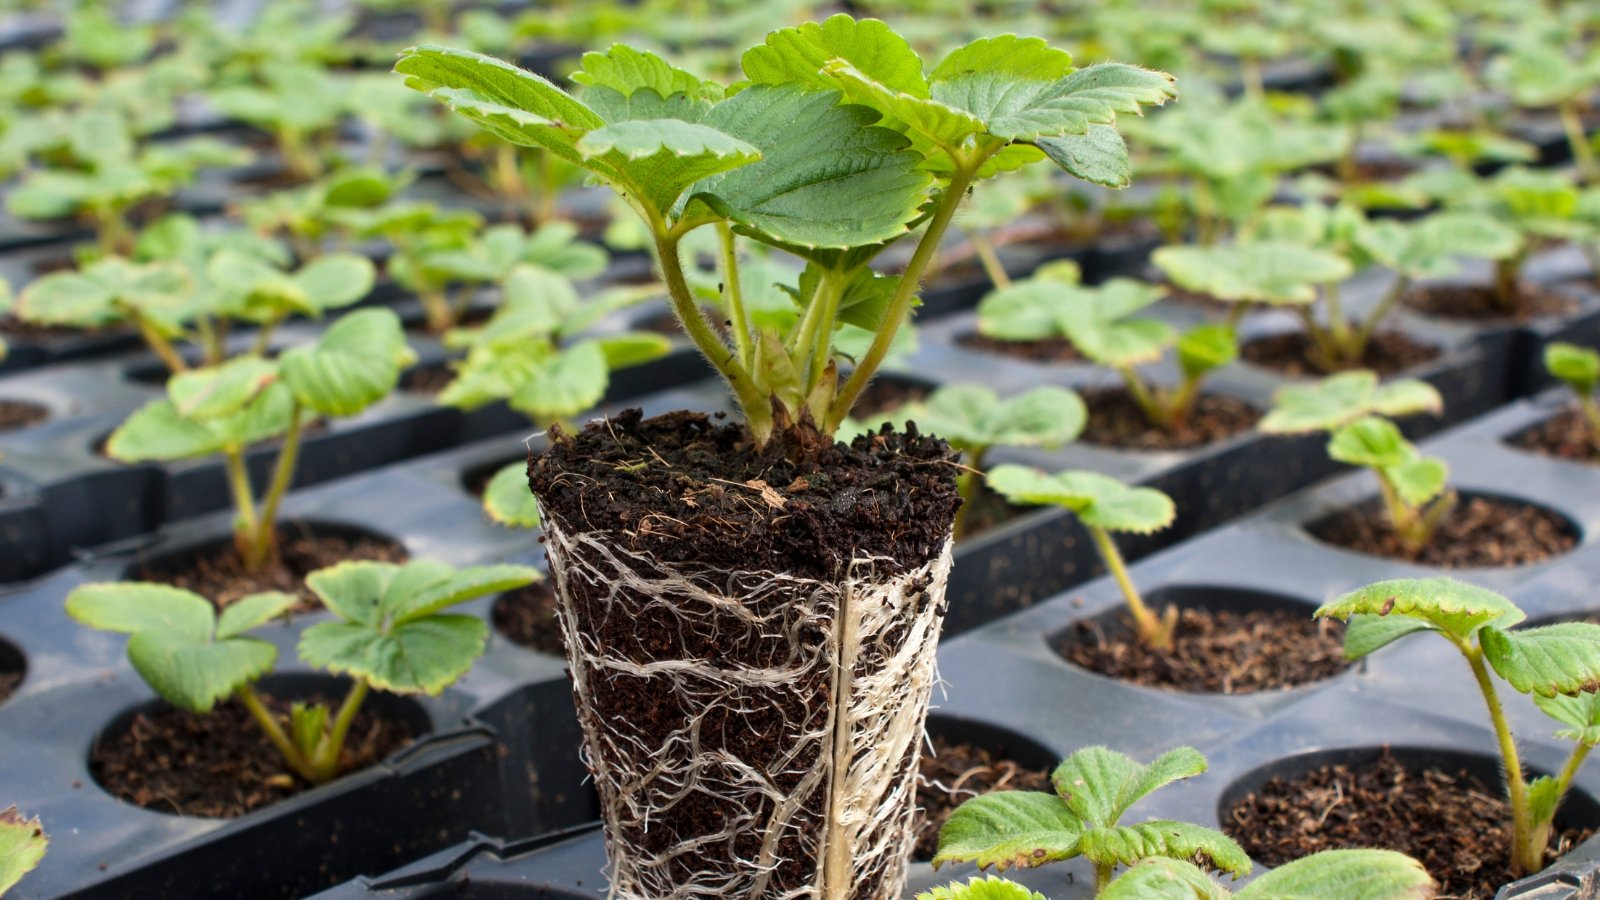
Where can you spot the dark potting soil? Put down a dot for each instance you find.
(9, 682)
(220, 765)
(1115, 420)
(217, 573)
(1564, 436)
(687, 489)
(429, 380)
(1221, 652)
(954, 773)
(691, 498)
(527, 617)
(1476, 302)
(1293, 354)
(472, 315)
(14, 327)
(20, 414)
(1047, 350)
(1479, 532)
(1451, 822)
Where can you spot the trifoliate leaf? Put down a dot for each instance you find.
(1100, 784)
(1098, 500)
(1098, 322)
(1273, 272)
(507, 500)
(353, 590)
(256, 609)
(1454, 607)
(356, 363)
(1371, 442)
(1347, 874)
(1550, 660)
(23, 844)
(1098, 156)
(106, 292)
(1127, 844)
(157, 431)
(1009, 828)
(564, 384)
(420, 657)
(973, 417)
(1580, 711)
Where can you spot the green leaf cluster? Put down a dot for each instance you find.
(1579, 369)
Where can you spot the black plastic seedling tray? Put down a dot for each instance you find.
(1005, 687)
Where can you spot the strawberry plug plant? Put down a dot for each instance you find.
(22, 845)
(391, 633)
(974, 420)
(1579, 369)
(1104, 505)
(1352, 407)
(531, 355)
(1538, 72)
(1557, 665)
(1100, 323)
(783, 163)
(1095, 787)
(225, 408)
(300, 104)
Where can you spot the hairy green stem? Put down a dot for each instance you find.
(325, 763)
(244, 502)
(990, 259)
(1339, 333)
(756, 405)
(1154, 409)
(266, 536)
(1582, 152)
(1369, 325)
(1516, 781)
(1407, 521)
(275, 733)
(738, 322)
(210, 339)
(1153, 631)
(905, 291)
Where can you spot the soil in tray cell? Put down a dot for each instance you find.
(1291, 353)
(954, 773)
(221, 765)
(1457, 826)
(20, 414)
(527, 617)
(1215, 652)
(217, 573)
(1115, 420)
(1564, 436)
(430, 380)
(1481, 532)
(1476, 302)
(1055, 350)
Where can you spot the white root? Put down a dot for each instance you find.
(867, 641)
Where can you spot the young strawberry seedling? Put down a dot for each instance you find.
(391, 634)
(1578, 368)
(1269, 272)
(1557, 665)
(1095, 788)
(974, 420)
(1104, 505)
(225, 408)
(301, 105)
(1352, 407)
(1538, 72)
(1100, 323)
(531, 354)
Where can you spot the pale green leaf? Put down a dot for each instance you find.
(1158, 878)
(352, 590)
(1418, 480)
(131, 607)
(1127, 844)
(663, 157)
(1454, 607)
(1098, 500)
(981, 888)
(626, 70)
(1372, 442)
(1581, 712)
(1346, 874)
(220, 390)
(1205, 348)
(23, 844)
(1578, 366)
(1554, 659)
(156, 431)
(355, 363)
(1367, 633)
(507, 500)
(194, 675)
(1340, 399)
(1406, 396)
(564, 384)
(1092, 781)
(633, 348)
(256, 609)
(336, 280)
(1009, 828)
(799, 54)
(1544, 795)
(1273, 272)
(458, 587)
